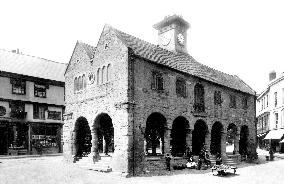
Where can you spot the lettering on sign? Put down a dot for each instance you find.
(68, 116)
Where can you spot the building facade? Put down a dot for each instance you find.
(31, 104)
(270, 114)
(134, 102)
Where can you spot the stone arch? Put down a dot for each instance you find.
(232, 138)
(179, 136)
(216, 137)
(198, 136)
(244, 136)
(199, 104)
(104, 132)
(154, 134)
(82, 137)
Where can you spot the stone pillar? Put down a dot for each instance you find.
(29, 139)
(208, 140)
(94, 149)
(15, 135)
(104, 144)
(223, 144)
(236, 143)
(167, 140)
(189, 139)
(73, 144)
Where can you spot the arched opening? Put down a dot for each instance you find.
(98, 76)
(244, 134)
(178, 135)
(199, 105)
(75, 84)
(80, 83)
(82, 137)
(154, 134)
(105, 134)
(102, 76)
(108, 72)
(84, 81)
(216, 135)
(231, 138)
(198, 136)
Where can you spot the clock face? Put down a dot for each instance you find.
(180, 38)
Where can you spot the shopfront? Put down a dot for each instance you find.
(14, 138)
(21, 138)
(46, 138)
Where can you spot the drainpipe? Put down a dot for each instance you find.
(131, 103)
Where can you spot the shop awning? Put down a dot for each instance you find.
(262, 134)
(275, 134)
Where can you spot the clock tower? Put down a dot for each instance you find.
(172, 33)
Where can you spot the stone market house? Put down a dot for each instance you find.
(31, 104)
(130, 102)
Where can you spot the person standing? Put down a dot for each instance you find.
(168, 161)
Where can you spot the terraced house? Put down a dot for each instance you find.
(31, 104)
(130, 102)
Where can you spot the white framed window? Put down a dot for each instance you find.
(276, 120)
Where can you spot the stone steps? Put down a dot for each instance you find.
(102, 165)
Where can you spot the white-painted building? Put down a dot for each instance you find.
(270, 112)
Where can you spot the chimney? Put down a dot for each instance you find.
(172, 33)
(272, 75)
(17, 51)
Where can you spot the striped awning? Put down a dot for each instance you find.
(275, 134)
(261, 134)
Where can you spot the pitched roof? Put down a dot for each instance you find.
(31, 66)
(182, 62)
(90, 50)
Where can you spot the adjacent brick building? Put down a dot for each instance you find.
(132, 102)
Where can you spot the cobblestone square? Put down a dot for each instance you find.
(50, 170)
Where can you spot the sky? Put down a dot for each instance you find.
(238, 37)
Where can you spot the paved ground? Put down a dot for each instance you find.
(53, 170)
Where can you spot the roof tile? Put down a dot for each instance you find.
(182, 62)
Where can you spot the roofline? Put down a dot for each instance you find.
(48, 60)
(32, 78)
(138, 56)
(246, 84)
(77, 42)
(263, 92)
(276, 80)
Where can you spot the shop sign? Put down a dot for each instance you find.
(68, 116)
(2, 111)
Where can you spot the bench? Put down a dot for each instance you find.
(227, 164)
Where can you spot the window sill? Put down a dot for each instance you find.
(153, 158)
(40, 96)
(18, 93)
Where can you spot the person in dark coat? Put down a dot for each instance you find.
(168, 161)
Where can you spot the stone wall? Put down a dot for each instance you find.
(170, 106)
(108, 97)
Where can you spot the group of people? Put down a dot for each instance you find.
(203, 159)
